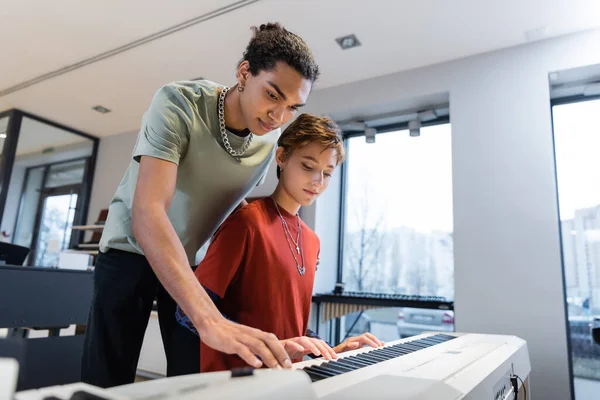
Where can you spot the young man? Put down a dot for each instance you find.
(260, 266)
(201, 149)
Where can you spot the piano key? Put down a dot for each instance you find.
(430, 342)
(369, 356)
(389, 352)
(324, 371)
(362, 360)
(350, 363)
(419, 345)
(409, 346)
(333, 366)
(338, 366)
(314, 375)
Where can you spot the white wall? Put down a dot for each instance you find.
(114, 154)
(508, 270)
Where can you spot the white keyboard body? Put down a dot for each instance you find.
(264, 384)
(467, 367)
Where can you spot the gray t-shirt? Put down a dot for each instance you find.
(182, 126)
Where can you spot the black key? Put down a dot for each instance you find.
(441, 338)
(369, 356)
(430, 342)
(434, 337)
(320, 372)
(332, 367)
(363, 360)
(394, 349)
(324, 371)
(383, 356)
(405, 351)
(390, 353)
(385, 350)
(419, 345)
(339, 366)
(314, 375)
(411, 347)
(350, 364)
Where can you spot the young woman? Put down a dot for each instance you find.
(260, 266)
(201, 149)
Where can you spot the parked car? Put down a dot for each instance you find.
(414, 321)
(582, 343)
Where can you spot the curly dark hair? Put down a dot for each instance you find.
(272, 43)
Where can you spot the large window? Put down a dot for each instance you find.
(577, 146)
(398, 227)
(398, 223)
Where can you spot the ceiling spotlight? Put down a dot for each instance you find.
(3, 135)
(101, 109)
(414, 128)
(348, 42)
(370, 135)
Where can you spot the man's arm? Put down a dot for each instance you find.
(165, 253)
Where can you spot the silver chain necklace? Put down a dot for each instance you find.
(233, 153)
(299, 249)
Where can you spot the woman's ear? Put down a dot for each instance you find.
(243, 72)
(279, 157)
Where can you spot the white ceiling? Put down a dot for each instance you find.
(38, 37)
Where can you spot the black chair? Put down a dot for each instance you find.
(12, 254)
(44, 298)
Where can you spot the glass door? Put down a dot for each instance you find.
(56, 215)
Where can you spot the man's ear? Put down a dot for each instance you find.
(243, 72)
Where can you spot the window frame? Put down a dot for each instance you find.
(344, 179)
(336, 332)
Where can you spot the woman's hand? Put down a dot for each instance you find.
(356, 342)
(300, 346)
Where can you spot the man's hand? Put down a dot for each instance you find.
(353, 343)
(248, 343)
(302, 345)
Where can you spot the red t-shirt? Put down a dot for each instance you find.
(250, 266)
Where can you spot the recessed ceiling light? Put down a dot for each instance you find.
(348, 42)
(101, 109)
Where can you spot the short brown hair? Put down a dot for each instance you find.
(308, 128)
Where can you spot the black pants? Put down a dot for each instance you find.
(124, 289)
